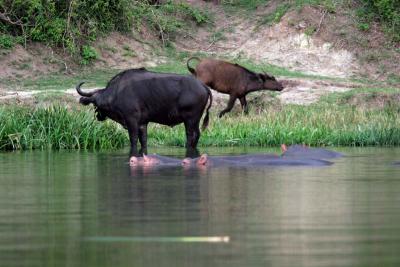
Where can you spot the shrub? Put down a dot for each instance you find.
(88, 54)
(168, 19)
(6, 41)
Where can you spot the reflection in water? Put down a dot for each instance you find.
(92, 209)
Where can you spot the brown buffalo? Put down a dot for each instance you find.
(232, 79)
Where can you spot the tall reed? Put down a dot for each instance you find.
(318, 125)
(56, 127)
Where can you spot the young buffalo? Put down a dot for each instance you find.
(232, 79)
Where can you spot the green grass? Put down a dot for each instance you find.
(394, 79)
(276, 16)
(56, 128)
(320, 125)
(323, 124)
(242, 5)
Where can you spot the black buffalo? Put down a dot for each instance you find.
(136, 97)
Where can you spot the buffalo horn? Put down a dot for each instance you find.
(87, 94)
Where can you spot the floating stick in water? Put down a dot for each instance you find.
(184, 239)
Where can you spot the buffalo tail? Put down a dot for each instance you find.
(192, 70)
(207, 117)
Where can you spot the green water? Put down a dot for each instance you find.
(90, 209)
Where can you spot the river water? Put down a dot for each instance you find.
(73, 208)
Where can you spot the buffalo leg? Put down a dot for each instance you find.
(243, 102)
(143, 139)
(231, 102)
(192, 153)
(192, 138)
(133, 131)
(192, 134)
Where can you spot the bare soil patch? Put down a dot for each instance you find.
(122, 52)
(115, 51)
(284, 44)
(306, 92)
(35, 60)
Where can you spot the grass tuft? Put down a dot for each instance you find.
(56, 127)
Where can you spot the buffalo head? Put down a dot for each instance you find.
(270, 83)
(91, 98)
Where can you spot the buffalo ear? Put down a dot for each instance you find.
(86, 100)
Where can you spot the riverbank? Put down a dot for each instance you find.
(356, 118)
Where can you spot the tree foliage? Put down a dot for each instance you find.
(74, 23)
